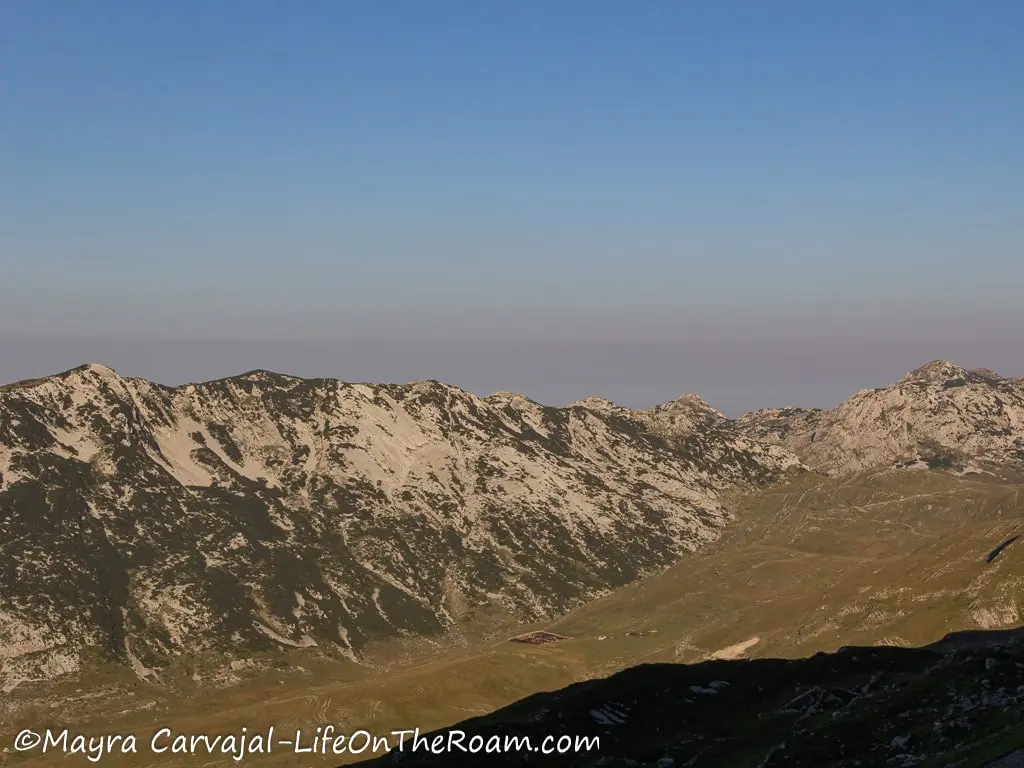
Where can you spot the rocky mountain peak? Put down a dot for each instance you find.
(92, 372)
(937, 371)
(986, 373)
(938, 415)
(509, 398)
(690, 401)
(599, 404)
(262, 374)
(683, 416)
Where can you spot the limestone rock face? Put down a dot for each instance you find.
(140, 522)
(684, 415)
(939, 415)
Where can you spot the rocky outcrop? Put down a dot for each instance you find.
(685, 415)
(939, 416)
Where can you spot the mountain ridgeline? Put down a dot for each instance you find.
(139, 523)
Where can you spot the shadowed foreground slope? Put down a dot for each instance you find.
(958, 702)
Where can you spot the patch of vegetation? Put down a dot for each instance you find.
(222, 435)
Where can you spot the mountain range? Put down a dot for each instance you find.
(140, 523)
(185, 535)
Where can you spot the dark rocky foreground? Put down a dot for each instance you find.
(956, 703)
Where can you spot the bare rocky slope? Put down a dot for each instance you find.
(140, 522)
(939, 415)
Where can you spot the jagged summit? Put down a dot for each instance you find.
(941, 371)
(935, 371)
(84, 370)
(689, 400)
(986, 373)
(938, 415)
(601, 404)
(88, 371)
(685, 415)
(97, 368)
(261, 374)
(514, 399)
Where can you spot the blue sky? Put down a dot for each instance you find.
(840, 185)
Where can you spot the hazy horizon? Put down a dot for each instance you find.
(765, 204)
(734, 378)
